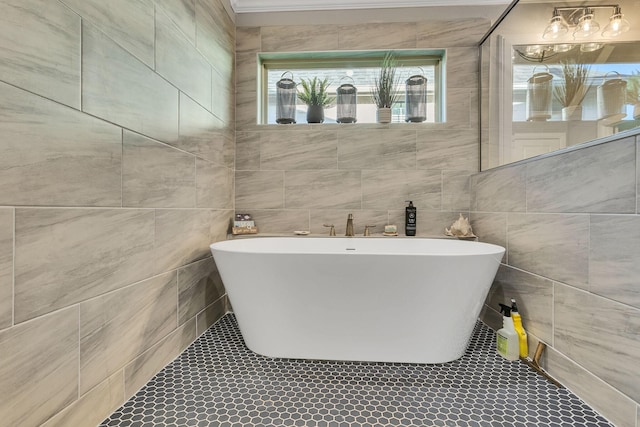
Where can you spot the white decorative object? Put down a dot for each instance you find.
(461, 228)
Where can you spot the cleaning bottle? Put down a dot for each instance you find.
(507, 337)
(517, 325)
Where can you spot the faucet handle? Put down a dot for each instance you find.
(332, 231)
(366, 230)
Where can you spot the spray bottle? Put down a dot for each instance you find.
(507, 338)
(517, 325)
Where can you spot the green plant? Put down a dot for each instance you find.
(385, 86)
(633, 88)
(314, 92)
(575, 87)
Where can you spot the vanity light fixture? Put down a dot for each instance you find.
(617, 24)
(581, 19)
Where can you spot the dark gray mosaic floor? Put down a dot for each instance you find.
(217, 381)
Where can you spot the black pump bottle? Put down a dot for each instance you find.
(410, 216)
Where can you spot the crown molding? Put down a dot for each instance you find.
(253, 6)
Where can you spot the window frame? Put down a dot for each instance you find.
(350, 59)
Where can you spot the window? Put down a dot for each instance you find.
(357, 68)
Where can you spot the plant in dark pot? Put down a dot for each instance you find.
(313, 92)
(385, 87)
(572, 91)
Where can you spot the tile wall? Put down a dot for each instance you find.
(299, 177)
(116, 174)
(571, 227)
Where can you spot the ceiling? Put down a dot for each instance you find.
(250, 6)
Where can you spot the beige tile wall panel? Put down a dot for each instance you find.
(376, 149)
(246, 70)
(397, 35)
(390, 189)
(246, 110)
(248, 39)
(184, 235)
(144, 367)
(286, 150)
(430, 223)
(215, 35)
(40, 49)
(614, 258)
(279, 220)
(492, 318)
(221, 222)
(92, 408)
(156, 175)
(64, 256)
(455, 191)
(462, 110)
(6, 267)
(179, 62)
(447, 149)
(248, 150)
(609, 402)
(534, 295)
(461, 32)
(214, 185)
(298, 38)
(555, 246)
(339, 219)
(602, 335)
(323, 189)
(128, 22)
(260, 190)
(223, 97)
(183, 15)
(490, 228)
(39, 368)
(462, 67)
(211, 315)
(199, 285)
(113, 331)
(597, 179)
(53, 155)
(501, 190)
(117, 87)
(201, 133)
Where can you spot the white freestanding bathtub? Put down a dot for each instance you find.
(408, 300)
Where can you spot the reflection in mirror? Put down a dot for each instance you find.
(557, 75)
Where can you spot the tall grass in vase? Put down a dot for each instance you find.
(385, 87)
(573, 89)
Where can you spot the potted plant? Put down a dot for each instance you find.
(572, 91)
(385, 87)
(633, 93)
(314, 94)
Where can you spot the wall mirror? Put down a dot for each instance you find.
(558, 74)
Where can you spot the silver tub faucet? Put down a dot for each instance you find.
(350, 226)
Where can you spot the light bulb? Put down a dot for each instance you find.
(556, 28)
(617, 24)
(587, 26)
